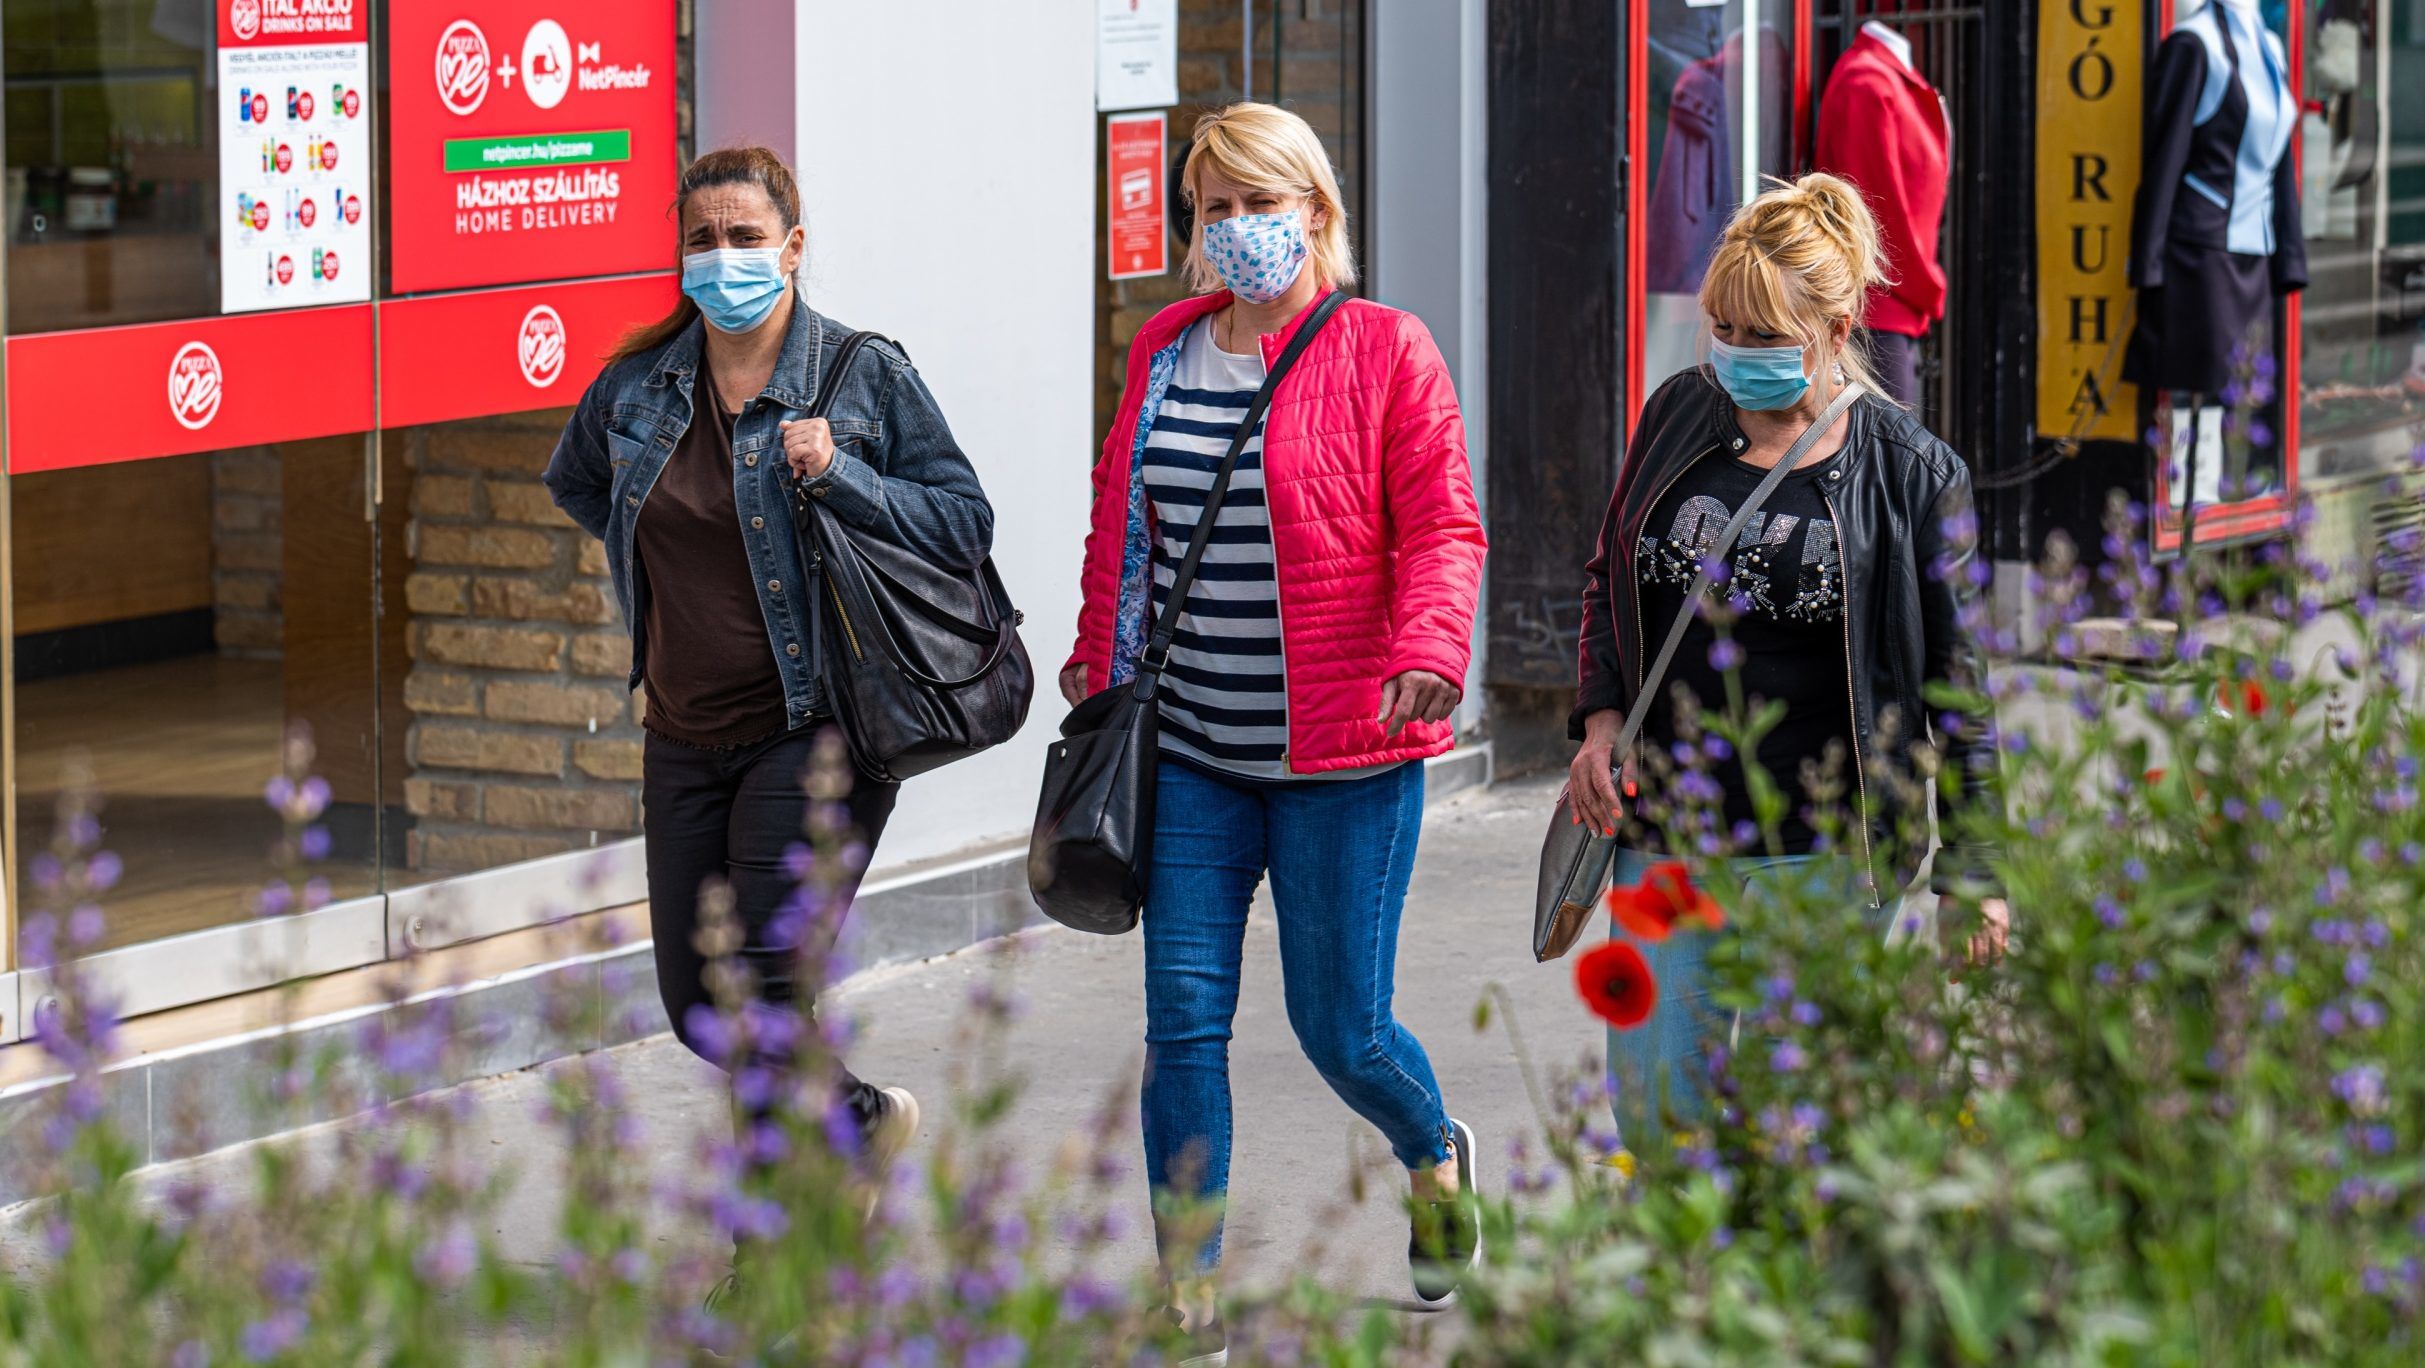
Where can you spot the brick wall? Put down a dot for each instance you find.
(1315, 75)
(247, 548)
(524, 741)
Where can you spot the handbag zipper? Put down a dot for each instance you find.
(844, 613)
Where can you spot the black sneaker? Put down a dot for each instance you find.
(1446, 1243)
(1206, 1346)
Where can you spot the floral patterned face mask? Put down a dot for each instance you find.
(1258, 255)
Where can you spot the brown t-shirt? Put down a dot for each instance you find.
(711, 672)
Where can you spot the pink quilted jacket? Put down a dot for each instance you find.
(1375, 530)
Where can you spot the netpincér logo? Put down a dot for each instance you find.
(245, 17)
(194, 386)
(462, 66)
(541, 348)
(547, 64)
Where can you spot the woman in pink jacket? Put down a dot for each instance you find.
(1319, 655)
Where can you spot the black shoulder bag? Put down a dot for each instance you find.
(1093, 848)
(921, 663)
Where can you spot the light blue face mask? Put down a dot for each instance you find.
(735, 287)
(1763, 379)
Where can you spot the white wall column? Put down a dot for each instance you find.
(946, 151)
(1428, 78)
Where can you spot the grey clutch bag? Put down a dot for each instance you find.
(1575, 858)
(1574, 868)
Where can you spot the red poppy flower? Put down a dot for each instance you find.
(1615, 982)
(1650, 909)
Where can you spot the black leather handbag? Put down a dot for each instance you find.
(922, 664)
(1092, 855)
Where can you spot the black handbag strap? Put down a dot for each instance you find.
(1157, 647)
(1725, 543)
(832, 384)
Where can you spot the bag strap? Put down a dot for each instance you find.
(1157, 646)
(1726, 540)
(832, 384)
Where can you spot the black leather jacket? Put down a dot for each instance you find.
(1901, 500)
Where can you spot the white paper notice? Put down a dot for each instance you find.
(295, 172)
(1136, 54)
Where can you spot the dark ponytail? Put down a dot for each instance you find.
(726, 166)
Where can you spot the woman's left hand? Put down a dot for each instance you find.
(1416, 696)
(1986, 940)
(808, 445)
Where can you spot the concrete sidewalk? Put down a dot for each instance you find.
(1078, 1040)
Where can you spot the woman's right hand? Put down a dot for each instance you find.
(1073, 684)
(1592, 781)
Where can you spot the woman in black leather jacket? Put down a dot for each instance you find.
(1844, 598)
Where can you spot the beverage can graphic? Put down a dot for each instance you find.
(328, 156)
(286, 269)
(290, 103)
(244, 104)
(260, 109)
(244, 209)
(195, 386)
(269, 278)
(319, 256)
(303, 105)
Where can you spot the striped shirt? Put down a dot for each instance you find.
(1225, 695)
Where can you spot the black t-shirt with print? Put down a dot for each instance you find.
(1786, 588)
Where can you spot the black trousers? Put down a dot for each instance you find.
(729, 815)
(1896, 361)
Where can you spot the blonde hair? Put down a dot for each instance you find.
(1264, 147)
(1796, 261)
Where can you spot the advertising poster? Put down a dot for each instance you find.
(530, 140)
(1136, 54)
(467, 355)
(2088, 171)
(295, 163)
(202, 384)
(1140, 222)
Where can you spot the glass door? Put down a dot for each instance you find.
(1715, 93)
(192, 554)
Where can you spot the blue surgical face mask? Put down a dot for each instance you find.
(1759, 378)
(735, 287)
(1258, 255)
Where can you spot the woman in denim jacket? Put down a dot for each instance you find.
(684, 458)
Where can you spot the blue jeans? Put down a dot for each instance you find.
(1339, 854)
(1657, 1071)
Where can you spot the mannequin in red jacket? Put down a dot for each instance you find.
(1884, 128)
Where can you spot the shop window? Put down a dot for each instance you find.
(2361, 141)
(111, 157)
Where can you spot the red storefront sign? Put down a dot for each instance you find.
(529, 140)
(1140, 222)
(443, 357)
(164, 389)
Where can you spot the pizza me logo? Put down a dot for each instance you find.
(462, 66)
(245, 17)
(195, 386)
(541, 346)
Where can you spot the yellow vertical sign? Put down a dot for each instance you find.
(2089, 57)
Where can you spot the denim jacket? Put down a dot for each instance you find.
(896, 473)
